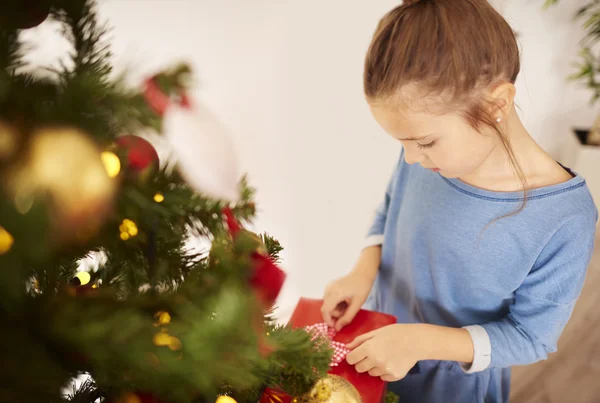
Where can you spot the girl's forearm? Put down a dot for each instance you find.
(447, 344)
(369, 261)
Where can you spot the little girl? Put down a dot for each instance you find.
(481, 244)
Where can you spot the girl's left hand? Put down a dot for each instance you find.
(389, 352)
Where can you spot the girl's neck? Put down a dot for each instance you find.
(496, 173)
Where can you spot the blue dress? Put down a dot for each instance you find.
(512, 284)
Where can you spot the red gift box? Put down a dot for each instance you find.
(308, 312)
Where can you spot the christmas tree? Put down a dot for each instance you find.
(152, 320)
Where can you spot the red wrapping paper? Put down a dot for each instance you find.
(308, 312)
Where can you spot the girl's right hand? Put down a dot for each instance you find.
(344, 297)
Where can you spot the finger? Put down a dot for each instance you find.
(356, 355)
(329, 305)
(365, 365)
(351, 311)
(377, 371)
(361, 339)
(340, 309)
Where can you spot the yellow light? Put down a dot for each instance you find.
(225, 399)
(164, 318)
(159, 197)
(112, 163)
(128, 229)
(175, 344)
(161, 339)
(84, 277)
(6, 241)
(130, 398)
(129, 226)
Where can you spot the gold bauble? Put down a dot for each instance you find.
(66, 165)
(6, 241)
(8, 141)
(331, 389)
(225, 399)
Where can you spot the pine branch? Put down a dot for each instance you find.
(87, 392)
(91, 54)
(294, 367)
(10, 51)
(273, 246)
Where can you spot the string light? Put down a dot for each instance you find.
(128, 229)
(84, 277)
(112, 163)
(174, 343)
(161, 339)
(164, 318)
(159, 197)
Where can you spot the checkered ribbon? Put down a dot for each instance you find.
(339, 349)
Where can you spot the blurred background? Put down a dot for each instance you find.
(286, 78)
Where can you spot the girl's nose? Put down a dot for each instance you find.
(413, 156)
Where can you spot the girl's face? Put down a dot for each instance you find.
(444, 143)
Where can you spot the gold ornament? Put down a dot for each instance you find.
(225, 399)
(6, 241)
(8, 141)
(331, 389)
(112, 163)
(65, 165)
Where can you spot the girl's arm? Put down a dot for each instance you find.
(541, 309)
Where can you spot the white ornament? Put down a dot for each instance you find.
(205, 151)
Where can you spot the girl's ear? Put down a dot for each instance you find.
(501, 98)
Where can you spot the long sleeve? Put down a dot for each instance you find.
(376, 230)
(544, 302)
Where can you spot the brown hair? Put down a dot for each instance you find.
(453, 48)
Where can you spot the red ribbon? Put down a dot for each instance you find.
(267, 278)
(340, 351)
(158, 101)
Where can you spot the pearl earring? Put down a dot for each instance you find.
(498, 119)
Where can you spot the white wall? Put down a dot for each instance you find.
(286, 78)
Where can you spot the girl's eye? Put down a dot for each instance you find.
(428, 145)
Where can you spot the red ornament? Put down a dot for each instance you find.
(141, 155)
(24, 14)
(267, 279)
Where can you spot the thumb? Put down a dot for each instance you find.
(348, 315)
